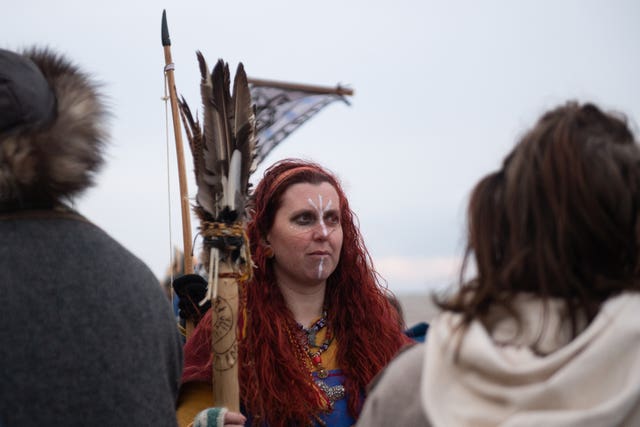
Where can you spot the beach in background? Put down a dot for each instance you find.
(417, 308)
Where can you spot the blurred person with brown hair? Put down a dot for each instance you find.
(547, 332)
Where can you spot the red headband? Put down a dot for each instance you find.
(289, 173)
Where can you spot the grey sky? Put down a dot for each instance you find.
(442, 91)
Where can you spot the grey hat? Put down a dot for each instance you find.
(26, 99)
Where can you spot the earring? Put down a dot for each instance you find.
(268, 251)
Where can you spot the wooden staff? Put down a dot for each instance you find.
(226, 388)
(182, 177)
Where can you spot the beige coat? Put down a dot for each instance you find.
(592, 380)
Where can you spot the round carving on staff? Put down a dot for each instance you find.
(223, 322)
(226, 360)
(225, 344)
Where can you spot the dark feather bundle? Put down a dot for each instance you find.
(224, 150)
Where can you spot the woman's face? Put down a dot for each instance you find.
(306, 235)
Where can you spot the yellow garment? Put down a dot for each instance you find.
(330, 354)
(194, 397)
(198, 396)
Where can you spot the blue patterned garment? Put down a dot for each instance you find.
(339, 417)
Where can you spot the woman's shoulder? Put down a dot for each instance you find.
(398, 386)
(403, 368)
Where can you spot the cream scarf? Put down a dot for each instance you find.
(593, 380)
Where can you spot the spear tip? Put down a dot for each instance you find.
(166, 41)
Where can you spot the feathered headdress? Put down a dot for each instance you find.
(223, 156)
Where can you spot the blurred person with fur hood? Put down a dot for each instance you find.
(88, 337)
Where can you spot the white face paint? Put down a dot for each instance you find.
(321, 210)
(320, 267)
(307, 235)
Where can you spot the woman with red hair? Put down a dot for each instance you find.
(316, 324)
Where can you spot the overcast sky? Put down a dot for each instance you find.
(442, 91)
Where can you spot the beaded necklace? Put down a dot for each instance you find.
(310, 342)
(313, 329)
(303, 342)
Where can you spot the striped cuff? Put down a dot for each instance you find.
(210, 417)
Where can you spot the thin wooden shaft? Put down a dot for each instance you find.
(182, 176)
(301, 87)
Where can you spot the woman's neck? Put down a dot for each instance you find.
(305, 303)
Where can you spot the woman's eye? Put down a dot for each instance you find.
(332, 219)
(304, 219)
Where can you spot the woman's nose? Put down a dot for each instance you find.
(320, 231)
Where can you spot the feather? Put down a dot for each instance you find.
(224, 149)
(233, 182)
(196, 143)
(244, 124)
(222, 107)
(210, 188)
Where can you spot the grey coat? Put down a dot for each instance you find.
(87, 336)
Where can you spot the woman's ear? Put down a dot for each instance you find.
(268, 249)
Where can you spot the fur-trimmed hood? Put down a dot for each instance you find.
(52, 163)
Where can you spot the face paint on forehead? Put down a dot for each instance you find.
(321, 210)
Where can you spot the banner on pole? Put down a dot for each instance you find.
(280, 111)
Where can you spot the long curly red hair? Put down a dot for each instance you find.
(275, 385)
(365, 325)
